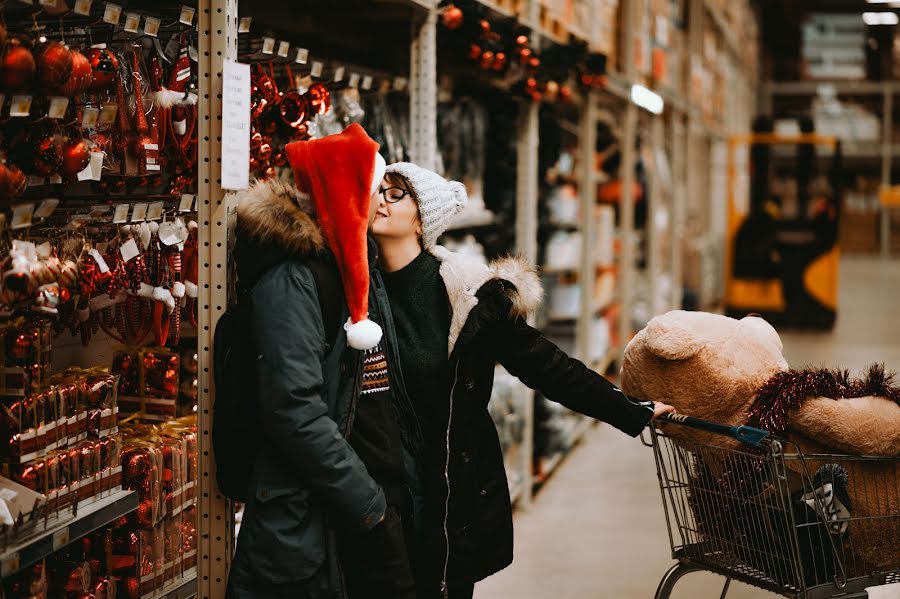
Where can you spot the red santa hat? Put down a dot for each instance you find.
(340, 173)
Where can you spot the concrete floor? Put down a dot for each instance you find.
(597, 529)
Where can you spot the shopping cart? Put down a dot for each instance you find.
(763, 513)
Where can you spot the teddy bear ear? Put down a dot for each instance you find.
(671, 337)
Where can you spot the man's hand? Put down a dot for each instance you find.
(660, 408)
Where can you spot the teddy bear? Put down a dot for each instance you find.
(733, 371)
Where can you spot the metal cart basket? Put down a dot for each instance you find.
(766, 514)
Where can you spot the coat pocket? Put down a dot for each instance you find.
(285, 534)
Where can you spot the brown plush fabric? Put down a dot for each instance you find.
(276, 212)
(723, 369)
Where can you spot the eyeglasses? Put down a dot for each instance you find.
(392, 195)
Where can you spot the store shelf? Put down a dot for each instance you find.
(549, 465)
(183, 589)
(504, 8)
(61, 531)
(603, 364)
(841, 86)
(516, 490)
(727, 34)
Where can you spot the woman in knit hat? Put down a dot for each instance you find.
(455, 319)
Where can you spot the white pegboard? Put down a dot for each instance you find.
(423, 92)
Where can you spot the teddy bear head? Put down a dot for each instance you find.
(706, 365)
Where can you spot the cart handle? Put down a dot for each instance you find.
(744, 434)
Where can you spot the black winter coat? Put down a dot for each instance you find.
(489, 306)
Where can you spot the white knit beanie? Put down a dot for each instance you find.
(439, 199)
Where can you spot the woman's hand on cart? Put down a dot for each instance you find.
(660, 409)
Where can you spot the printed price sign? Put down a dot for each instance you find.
(112, 14)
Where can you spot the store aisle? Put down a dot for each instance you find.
(597, 530)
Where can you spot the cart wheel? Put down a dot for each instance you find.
(667, 584)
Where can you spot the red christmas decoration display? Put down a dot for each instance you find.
(17, 68)
(452, 17)
(104, 69)
(54, 65)
(80, 78)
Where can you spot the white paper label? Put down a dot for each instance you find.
(187, 202)
(20, 106)
(22, 216)
(121, 214)
(9, 565)
(44, 250)
(132, 22)
(339, 74)
(55, 179)
(302, 56)
(35, 181)
(155, 211)
(112, 14)
(139, 214)
(129, 250)
(235, 125)
(50, 3)
(60, 538)
(96, 165)
(187, 15)
(283, 49)
(91, 115)
(354, 80)
(108, 114)
(58, 107)
(244, 24)
(46, 208)
(171, 234)
(317, 68)
(268, 45)
(367, 82)
(101, 262)
(83, 7)
(400, 83)
(151, 26)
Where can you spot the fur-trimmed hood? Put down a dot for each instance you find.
(464, 277)
(275, 213)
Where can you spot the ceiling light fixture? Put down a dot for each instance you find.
(880, 18)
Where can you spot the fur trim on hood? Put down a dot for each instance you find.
(464, 276)
(275, 213)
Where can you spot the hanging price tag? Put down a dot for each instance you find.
(20, 106)
(98, 258)
(96, 165)
(98, 211)
(46, 208)
(9, 565)
(339, 74)
(187, 202)
(317, 68)
(268, 45)
(155, 211)
(244, 24)
(354, 80)
(112, 14)
(283, 49)
(302, 56)
(129, 250)
(367, 82)
(58, 107)
(50, 3)
(61, 538)
(55, 179)
(139, 214)
(83, 7)
(132, 22)
(91, 115)
(22, 215)
(108, 114)
(121, 214)
(151, 26)
(400, 83)
(35, 181)
(187, 15)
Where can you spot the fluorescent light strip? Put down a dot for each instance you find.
(647, 99)
(880, 18)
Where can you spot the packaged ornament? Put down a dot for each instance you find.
(148, 382)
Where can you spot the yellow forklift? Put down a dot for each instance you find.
(783, 268)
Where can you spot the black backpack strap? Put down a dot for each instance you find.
(331, 291)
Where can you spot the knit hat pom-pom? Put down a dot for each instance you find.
(460, 197)
(363, 335)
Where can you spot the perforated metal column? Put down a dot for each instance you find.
(679, 201)
(218, 41)
(588, 191)
(423, 91)
(527, 182)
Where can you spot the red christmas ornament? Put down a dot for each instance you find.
(319, 98)
(54, 65)
(531, 83)
(565, 93)
(534, 62)
(265, 152)
(12, 182)
(485, 26)
(499, 61)
(487, 60)
(75, 158)
(2, 36)
(47, 157)
(524, 54)
(452, 17)
(602, 80)
(104, 69)
(81, 76)
(474, 51)
(522, 40)
(587, 79)
(270, 174)
(536, 96)
(18, 67)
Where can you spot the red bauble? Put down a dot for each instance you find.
(534, 62)
(265, 151)
(47, 157)
(452, 17)
(522, 40)
(81, 76)
(474, 51)
(587, 79)
(535, 96)
(75, 158)
(487, 60)
(485, 26)
(565, 92)
(270, 172)
(256, 140)
(18, 67)
(531, 83)
(17, 181)
(499, 61)
(54, 65)
(104, 69)
(524, 54)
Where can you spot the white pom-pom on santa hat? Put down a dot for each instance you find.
(362, 335)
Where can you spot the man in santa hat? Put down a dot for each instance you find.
(330, 480)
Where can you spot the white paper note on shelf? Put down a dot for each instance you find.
(235, 125)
